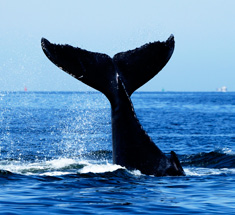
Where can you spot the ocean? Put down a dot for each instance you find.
(56, 154)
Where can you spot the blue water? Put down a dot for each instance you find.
(56, 154)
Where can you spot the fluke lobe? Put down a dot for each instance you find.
(118, 78)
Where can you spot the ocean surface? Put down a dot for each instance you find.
(56, 154)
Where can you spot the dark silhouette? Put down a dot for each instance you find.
(118, 78)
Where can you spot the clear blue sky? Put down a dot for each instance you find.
(204, 31)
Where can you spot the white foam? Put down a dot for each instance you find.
(100, 168)
(57, 167)
(61, 166)
(60, 163)
(228, 151)
(55, 173)
(207, 171)
(32, 168)
(135, 172)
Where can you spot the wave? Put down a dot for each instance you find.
(61, 166)
(98, 163)
(199, 171)
(215, 159)
(4, 172)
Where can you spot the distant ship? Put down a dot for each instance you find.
(25, 89)
(222, 89)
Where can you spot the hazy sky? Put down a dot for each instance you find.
(204, 30)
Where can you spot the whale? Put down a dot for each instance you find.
(117, 78)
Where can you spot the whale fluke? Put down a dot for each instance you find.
(94, 69)
(138, 66)
(118, 78)
(135, 67)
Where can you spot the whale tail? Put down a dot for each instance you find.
(118, 78)
(99, 71)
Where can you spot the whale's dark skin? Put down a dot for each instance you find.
(118, 78)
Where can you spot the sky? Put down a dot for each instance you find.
(204, 30)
